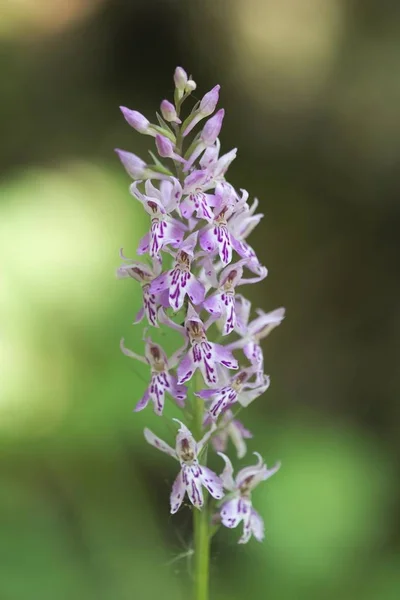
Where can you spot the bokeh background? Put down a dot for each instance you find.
(311, 90)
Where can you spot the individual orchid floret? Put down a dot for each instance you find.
(190, 86)
(202, 354)
(180, 80)
(221, 304)
(230, 428)
(137, 121)
(237, 389)
(206, 108)
(162, 381)
(208, 136)
(179, 281)
(255, 331)
(144, 274)
(137, 168)
(165, 148)
(215, 165)
(194, 197)
(168, 111)
(239, 506)
(192, 477)
(216, 237)
(159, 203)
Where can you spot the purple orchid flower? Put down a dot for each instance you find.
(237, 389)
(179, 281)
(144, 275)
(162, 381)
(159, 203)
(194, 197)
(229, 428)
(192, 476)
(239, 506)
(255, 331)
(221, 304)
(202, 354)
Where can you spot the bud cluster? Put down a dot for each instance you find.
(195, 256)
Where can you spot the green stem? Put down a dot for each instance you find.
(201, 553)
(201, 520)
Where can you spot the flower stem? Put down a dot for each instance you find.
(201, 528)
(201, 553)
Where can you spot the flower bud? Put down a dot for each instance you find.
(212, 128)
(168, 112)
(209, 101)
(136, 120)
(190, 86)
(180, 79)
(164, 146)
(134, 166)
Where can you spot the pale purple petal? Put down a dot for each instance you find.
(186, 368)
(250, 472)
(237, 438)
(160, 283)
(178, 392)
(195, 290)
(130, 353)
(204, 358)
(212, 483)
(227, 474)
(155, 441)
(206, 394)
(212, 304)
(257, 525)
(224, 356)
(217, 237)
(143, 402)
(243, 431)
(249, 395)
(159, 384)
(177, 494)
(192, 481)
(232, 512)
(144, 244)
(139, 316)
(150, 305)
(266, 322)
(242, 310)
(246, 535)
(222, 399)
(254, 474)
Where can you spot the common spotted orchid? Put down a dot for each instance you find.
(194, 257)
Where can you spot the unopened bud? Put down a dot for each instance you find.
(209, 101)
(212, 128)
(136, 120)
(168, 112)
(164, 146)
(134, 166)
(190, 86)
(180, 78)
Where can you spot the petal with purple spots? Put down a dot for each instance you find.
(212, 483)
(177, 493)
(155, 441)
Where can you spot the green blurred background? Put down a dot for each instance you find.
(311, 90)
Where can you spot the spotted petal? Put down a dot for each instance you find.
(177, 494)
(155, 441)
(212, 483)
(192, 480)
(257, 525)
